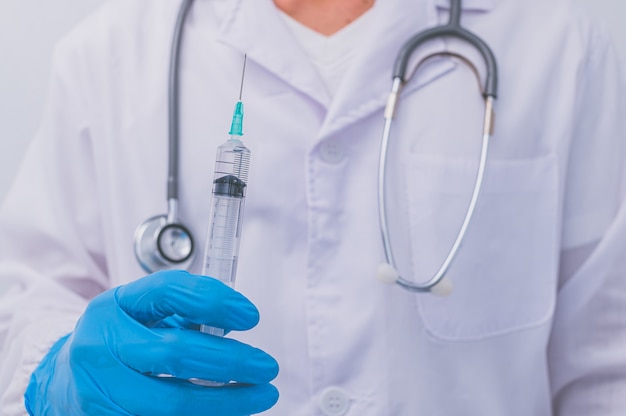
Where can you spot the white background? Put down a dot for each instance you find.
(29, 29)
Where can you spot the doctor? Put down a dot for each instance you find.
(536, 324)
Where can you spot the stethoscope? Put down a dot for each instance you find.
(164, 242)
(387, 272)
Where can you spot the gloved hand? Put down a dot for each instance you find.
(128, 336)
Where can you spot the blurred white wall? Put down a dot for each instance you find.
(29, 29)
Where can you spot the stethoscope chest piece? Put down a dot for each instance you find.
(162, 244)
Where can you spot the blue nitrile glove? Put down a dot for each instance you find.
(131, 334)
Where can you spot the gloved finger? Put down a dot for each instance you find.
(102, 383)
(145, 395)
(199, 299)
(189, 354)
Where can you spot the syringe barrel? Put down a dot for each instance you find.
(229, 191)
(224, 236)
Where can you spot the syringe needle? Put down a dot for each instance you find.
(243, 73)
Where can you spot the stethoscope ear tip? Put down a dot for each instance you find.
(387, 274)
(442, 289)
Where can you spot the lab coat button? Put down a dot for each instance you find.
(331, 152)
(334, 401)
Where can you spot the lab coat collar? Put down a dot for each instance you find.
(367, 84)
(256, 28)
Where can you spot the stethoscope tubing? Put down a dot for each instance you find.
(174, 112)
(452, 29)
(489, 91)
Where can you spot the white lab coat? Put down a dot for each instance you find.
(538, 312)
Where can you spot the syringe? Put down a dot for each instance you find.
(229, 192)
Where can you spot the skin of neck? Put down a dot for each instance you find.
(324, 16)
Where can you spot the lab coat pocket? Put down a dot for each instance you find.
(504, 274)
